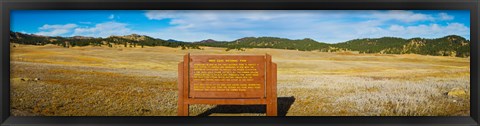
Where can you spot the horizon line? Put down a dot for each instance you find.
(245, 37)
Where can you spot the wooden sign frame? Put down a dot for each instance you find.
(269, 99)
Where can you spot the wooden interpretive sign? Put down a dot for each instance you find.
(227, 79)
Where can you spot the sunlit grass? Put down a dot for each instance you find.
(102, 81)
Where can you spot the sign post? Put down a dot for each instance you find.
(227, 80)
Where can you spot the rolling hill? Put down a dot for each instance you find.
(451, 45)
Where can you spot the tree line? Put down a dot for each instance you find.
(451, 45)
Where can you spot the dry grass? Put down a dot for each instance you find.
(101, 81)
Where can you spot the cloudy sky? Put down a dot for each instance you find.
(329, 26)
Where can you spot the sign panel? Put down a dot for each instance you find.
(228, 80)
(227, 76)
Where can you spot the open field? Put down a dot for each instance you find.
(100, 81)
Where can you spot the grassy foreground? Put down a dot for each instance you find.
(100, 81)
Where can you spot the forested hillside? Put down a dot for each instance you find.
(133, 40)
(451, 45)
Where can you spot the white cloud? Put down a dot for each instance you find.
(400, 15)
(55, 30)
(66, 26)
(396, 28)
(111, 16)
(425, 31)
(325, 26)
(104, 30)
(226, 25)
(445, 16)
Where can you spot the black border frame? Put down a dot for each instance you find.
(8, 5)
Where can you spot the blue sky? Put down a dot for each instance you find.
(328, 26)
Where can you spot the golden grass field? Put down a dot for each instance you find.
(101, 81)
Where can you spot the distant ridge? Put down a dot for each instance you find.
(451, 45)
(208, 41)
